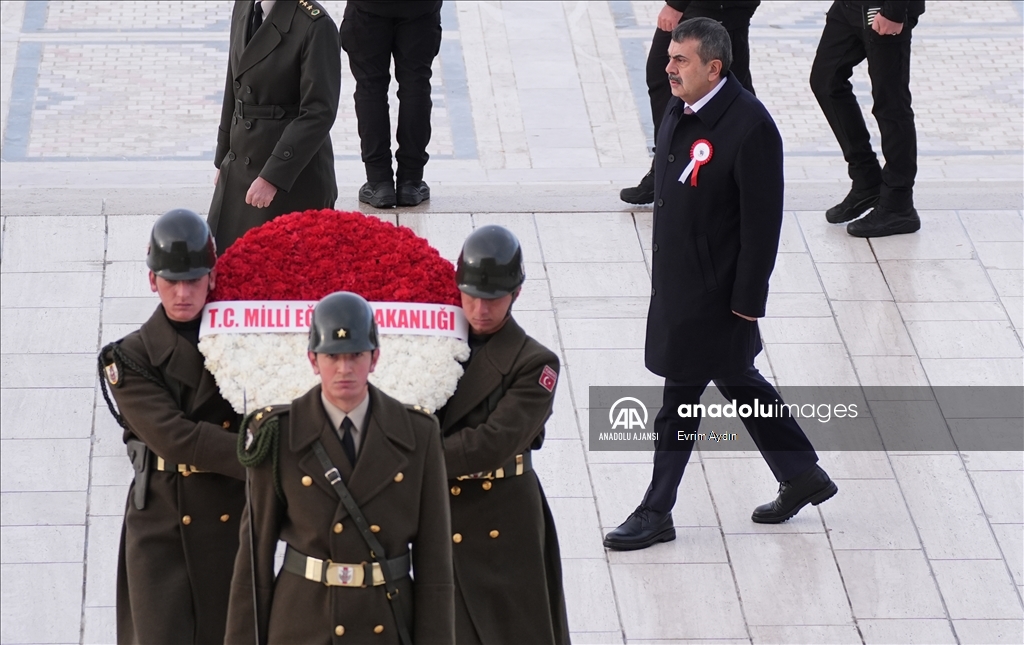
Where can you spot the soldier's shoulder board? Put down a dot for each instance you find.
(419, 409)
(312, 9)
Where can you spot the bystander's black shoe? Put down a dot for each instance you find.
(411, 193)
(641, 529)
(813, 487)
(379, 194)
(642, 194)
(882, 221)
(853, 205)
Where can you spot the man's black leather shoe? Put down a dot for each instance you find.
(642, 194)
(641, 529)
(379, 194)
(853, 205)
(813, 487)
(411, 193)
(881, 222)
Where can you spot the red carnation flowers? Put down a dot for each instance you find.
(307, 255)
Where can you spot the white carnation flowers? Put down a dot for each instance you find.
(259, 369)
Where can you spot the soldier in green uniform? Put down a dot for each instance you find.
(181, 518)
(354, 482)
(508, 572)
(274, 153)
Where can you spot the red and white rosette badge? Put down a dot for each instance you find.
(255, 326)
(700, 154)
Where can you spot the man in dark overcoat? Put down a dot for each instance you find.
(717, 220)
(388, 455)
(180, 529)
(508, 572)
(274, 153)
(735, 16)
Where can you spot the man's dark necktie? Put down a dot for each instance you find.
(257, 18)
(347, 443)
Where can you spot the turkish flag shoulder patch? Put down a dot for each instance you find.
(548, 378)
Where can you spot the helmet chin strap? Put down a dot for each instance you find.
(515, 294)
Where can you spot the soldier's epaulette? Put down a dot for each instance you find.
(313, 9)
(419, 409)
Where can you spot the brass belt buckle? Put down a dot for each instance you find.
(479, 475)
(344, 575)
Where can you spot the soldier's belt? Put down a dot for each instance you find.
(253, 111)
(338, 574)
(184, 469)
(521, 464)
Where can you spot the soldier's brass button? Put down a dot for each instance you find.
(671, 158)
(486, 485)
(225, 517)
(226, 425)
(307, 480)
(186, 473)
(269, 409)
(248, 125)
(246, 161)
(379, 629)
(493, 534)
(339, 630)
(338, 528)
(399, 477)
(456, 490)
(374, 528)
(457, 538)
(186, 520)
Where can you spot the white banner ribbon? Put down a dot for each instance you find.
(294, 316)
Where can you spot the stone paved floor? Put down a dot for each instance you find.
(109, 117)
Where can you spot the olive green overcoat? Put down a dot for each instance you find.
(176, 555)
(280, 101)
(508, 572)
(398, 483)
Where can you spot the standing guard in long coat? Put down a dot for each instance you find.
(354, 482)
(508, 571)
(181, 518)
(274, 153)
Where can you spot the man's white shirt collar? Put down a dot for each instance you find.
(707, 97)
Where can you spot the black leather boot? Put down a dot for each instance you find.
(813, 487)
(641, 529)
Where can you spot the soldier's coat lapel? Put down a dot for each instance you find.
(267, 37)
(380, 457)
(183, 360)
(308, 422)
(496, 359)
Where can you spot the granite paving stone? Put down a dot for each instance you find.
(108, 118)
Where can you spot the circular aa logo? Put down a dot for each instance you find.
(622, 417)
